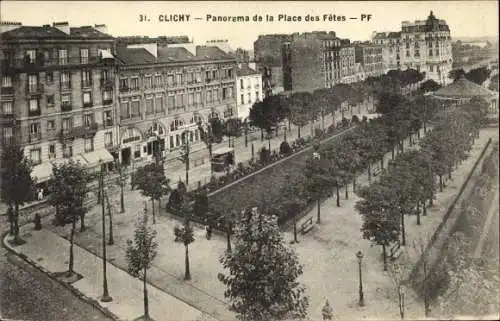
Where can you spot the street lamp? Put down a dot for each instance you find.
(359, 256)
(105, 297)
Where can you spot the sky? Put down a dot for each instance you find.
(465, 18)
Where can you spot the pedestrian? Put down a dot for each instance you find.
(209, 231)
(40, 194)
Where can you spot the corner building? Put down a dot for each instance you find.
(57, 94)
(163, 92)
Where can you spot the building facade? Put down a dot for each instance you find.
(317, 60)
(57, 94)
(248, 89)
(164, 92)
(370, 56)
(424, 45)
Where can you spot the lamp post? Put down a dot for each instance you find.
(105, 297)
(208, 141)
(359, 256)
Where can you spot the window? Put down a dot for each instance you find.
(86, 78)
(229, 92)
(33, 105)
(32, 83)
(149, 106)
(108, 139)
(7, 108)
(35, 129)
(214, 74)
(178, 79)
(35, 156)
(63, 56)
(8, 133)
(159, 104)
(108, 118)
(249, 98)
(170, 101)
(148, 82)
(6, 81)
(209, 96)
(257, 96)
(65, 80)
(107, 97)
(51, 125)
(242, 99)
(198, 76)
(190, 99)
(88, 144)
(67, 124)
(407, 54)
(88, 120)
(230, 73)
(50, 101)
(430, 52)
(134, 83)
(67, 150)
(52, 151)
(179, 100)
(224, 94)
(123, 84)
(170, 80)
(66, 100)
(172, 142)
(84, 56)
(197, 98)
(137, 151)
(242, 83)
(431, 68)
(136, 108)
(207, 76)
(31, 54)
(87, 99)
(216, 94)
(189, 78)
(158, 81)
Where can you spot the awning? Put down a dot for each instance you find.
(42, 172)
(93, 158)
(223, 150)
(106, 54)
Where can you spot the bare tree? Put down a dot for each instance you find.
(419, 245)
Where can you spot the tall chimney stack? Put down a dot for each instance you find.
(63, 26)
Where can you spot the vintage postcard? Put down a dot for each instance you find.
(249, 160)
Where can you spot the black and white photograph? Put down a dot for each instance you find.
(249, 160)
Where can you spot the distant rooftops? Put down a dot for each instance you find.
(165, 54)
(58, 30)
(245, 70)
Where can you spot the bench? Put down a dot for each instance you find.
(395, 251)
(307, 225)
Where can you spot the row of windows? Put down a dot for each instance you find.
(242, 84)
(249, 97)
(158, 81)
(58, 55)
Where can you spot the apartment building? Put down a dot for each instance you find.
(248, 89)
(370, 56)
(165, 91)
(317, 60)
(424, 45)
(57, 94)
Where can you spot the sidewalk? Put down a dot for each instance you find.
(51, 253)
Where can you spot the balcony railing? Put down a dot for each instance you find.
(88, 104)
(108, 123)
(86, 83)
(66, 86)
(7, 91)
(35, 137)
(107, 83)
(108, 101)
(66, 107)
(40, 61)
(34, 89)
(79, 131)
(32, 113)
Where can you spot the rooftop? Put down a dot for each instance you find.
(463, 88)
(245, 70)
(50, 32)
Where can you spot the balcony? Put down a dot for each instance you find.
(34, 137)
(66, 86)
(107, 101)
(7, 91)
(86, 84)
(128, 91)
(66, 107)
(107, 84)
(34, 113)
(79, 131)
(88, 104)
(34, 89)
(108, 123)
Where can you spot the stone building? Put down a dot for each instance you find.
(165, 91)
(370, 56)
(57, 94)
(424, 45)
(248, 89)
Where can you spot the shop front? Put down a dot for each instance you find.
(131, 139)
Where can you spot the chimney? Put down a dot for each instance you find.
(8, 26)
(101, 28)
(63, 26)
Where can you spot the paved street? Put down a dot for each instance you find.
(29, 294)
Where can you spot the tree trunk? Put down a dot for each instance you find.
(403, 229)
(440, 183)
(295, 229)
(393, 155)
(228, 236)
(346, 191)
(354, 183)
(318, 204)
(82, 221)
(298, 131)
(10, 212)
(424, 209)
(323, 121)
(384, 255)
(154, 216)
(17, 239)
(369, 172)
(187, 171)
(187, 275)
(382, 162)
(431, 202)
(425, 127)
(269, 144)
(418, 213)
(289, 126)
(284, 135)
(338, 194)
(312, 128)
(146, 301)
(71, 255)
(122, 200)
(261, 135)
